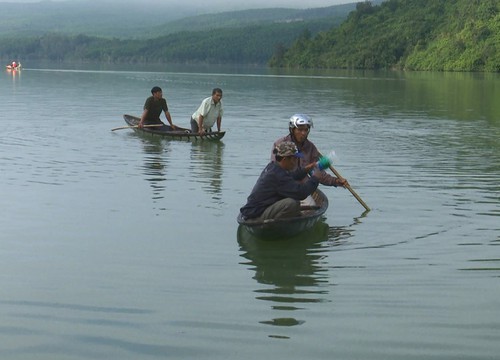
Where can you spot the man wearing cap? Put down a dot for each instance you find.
(153, 107)
(277, 193)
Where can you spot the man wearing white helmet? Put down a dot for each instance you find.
(299, 126)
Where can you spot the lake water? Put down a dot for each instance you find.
(115, 246)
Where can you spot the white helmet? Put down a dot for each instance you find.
(300, 119)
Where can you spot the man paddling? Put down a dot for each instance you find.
(153, 107)
(299, 127)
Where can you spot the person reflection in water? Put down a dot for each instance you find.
(290, 277)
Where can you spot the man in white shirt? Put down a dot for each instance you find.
(209, 113)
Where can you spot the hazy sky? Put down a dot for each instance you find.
(230, 4)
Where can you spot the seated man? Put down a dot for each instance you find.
(277, 193)
(153, 108)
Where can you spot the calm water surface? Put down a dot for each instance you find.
(116, 246)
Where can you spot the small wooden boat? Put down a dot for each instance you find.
(178, 134)
(10, 67)
(13, 66)
(287, 227)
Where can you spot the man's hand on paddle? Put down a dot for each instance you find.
(341, 182)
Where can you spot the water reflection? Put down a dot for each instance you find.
(13, 72)
(293, 272)
(15, 75)
(155, 165)
(206, 166)
(202, 159)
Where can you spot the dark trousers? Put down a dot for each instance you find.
(195, 128)
(284, 208)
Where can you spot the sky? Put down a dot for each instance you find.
(230, 4)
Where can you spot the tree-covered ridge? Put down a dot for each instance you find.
(241, 45)
(222, 44)
(442, 35)
(143, 19)
(243, 18)
(246, 37)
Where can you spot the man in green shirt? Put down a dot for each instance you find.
(153, 107)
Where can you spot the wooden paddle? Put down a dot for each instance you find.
(348, 187)
(135, 126)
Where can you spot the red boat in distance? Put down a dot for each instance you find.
(14, 66)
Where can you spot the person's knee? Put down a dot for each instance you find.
(288, 208)
(292, 204)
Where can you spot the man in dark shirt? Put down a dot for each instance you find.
(153, 107)
(277, 193)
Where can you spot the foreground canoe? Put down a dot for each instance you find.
(279, 228)
(178, 134)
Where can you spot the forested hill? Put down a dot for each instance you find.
(315, 17)
(143, 19)
(440, 35)
(243, 37)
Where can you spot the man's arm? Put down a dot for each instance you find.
(169, 119)
(143, 118)
(219, 121)
(200, 124)
(297, 190)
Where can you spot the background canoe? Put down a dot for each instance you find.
(178, 134)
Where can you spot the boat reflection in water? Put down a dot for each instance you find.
(292, 273)
(203, 164)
